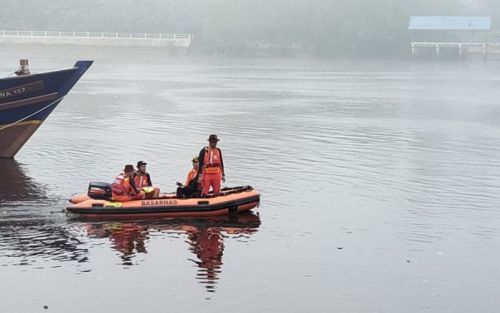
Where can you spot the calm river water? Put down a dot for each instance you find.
(380, 187)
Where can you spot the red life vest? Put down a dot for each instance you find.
(211, 161)
(121, 185)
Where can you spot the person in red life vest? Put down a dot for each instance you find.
(211, 167)
(123, 188)
(191, 187)
(143, 182)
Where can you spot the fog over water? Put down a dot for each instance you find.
(379, 180)
(320, 28)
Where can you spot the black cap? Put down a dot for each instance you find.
(213, 138)
(141, 163)
(128, 168)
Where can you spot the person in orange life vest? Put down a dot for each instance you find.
(191, 187)
(143, 182)
(192, 172)
(123, 188)
(211, 167)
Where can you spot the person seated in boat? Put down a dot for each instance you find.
(143, 182)
(211, 167)
(123, 188)
(191, 187)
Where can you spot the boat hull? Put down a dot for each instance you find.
(13, 138)
(26, 101)
(169, 206)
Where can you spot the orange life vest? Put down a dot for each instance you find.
(140, 181)
(191, 174)
(211, 161)
(121, 185)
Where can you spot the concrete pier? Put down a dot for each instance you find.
(485, 49)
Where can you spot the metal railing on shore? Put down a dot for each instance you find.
(108, 35)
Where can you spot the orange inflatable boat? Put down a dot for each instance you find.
(228, 201)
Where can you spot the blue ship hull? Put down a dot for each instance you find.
(26, 101)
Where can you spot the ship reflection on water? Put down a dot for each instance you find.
(29, 234)
(205, 239)
(16, 186)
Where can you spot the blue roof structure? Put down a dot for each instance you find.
(450, 23)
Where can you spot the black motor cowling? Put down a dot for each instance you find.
(100, 191)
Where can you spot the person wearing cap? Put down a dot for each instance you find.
(123, 187)
(143, 182)
(191, 187)
(211, 167)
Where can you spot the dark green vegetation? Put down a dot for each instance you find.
(340, 28)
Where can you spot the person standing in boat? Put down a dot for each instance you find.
(123, 188)
(211, 167)
(191, 188)
(143, 182)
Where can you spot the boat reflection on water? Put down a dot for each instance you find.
(16, 186)
(205, 238)
(33, 236)
(206, 241)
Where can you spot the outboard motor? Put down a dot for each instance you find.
(99, 191)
